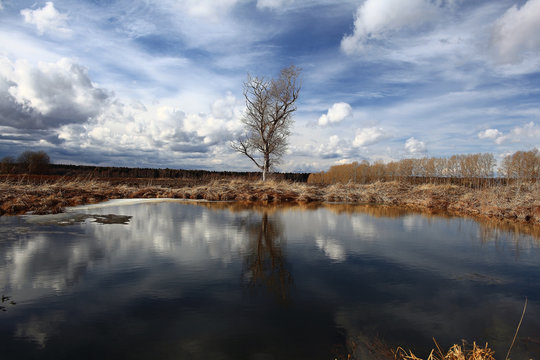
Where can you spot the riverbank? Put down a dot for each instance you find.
(518, 203)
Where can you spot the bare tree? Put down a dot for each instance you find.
(7, 165)
(270, 105)
(34, 162)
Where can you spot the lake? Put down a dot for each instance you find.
(180, 280)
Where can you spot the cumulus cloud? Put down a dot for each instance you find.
(369, 136)
(227, 107)
(157, 131)
(57, 103)
(489, 134)
(528, 132)
(333, 148)
(221, 125)
(376, 19)
(516, 32)
(123, 126)
(420, 31)
(415, 147)
(47, 95)
(47, 19)
(337, 113)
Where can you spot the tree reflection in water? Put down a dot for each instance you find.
(265, 264)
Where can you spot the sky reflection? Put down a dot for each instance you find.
(199, 280)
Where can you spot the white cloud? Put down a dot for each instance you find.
(337, 113)
(61, 101)
(125, 127)
(344, 161)
(369, 136)
(1, 5)
(530, 132)
(150, 127)
(226, 108)
(139, 27)
(209, 9)
(447, 36)
(221, 124)
(332, 148)
(515, 34)
(213, 26)
(489, 134)
(376, 19)
(47, 19)
(333, 142)
(414, 146)
(47, 95)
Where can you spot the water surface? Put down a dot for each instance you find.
(176, 280)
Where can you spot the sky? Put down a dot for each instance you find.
(158, 83)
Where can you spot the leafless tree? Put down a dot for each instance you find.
(270, 105)
(7, 165)
(34, 162)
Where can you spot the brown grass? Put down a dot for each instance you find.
(374, 348)
(516, 203)
(456, 352)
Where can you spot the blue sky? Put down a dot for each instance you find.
(158, 83)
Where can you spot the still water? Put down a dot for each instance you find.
(177, 280)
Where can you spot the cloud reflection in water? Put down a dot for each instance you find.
(175, 278)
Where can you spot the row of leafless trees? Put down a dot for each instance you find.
(472, 170)
(523, 165)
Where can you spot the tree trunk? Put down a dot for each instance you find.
(266, 165)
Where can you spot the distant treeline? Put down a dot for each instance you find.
(472, 170)
(151, 173)
(38, 163)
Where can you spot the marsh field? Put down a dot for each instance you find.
(517, 202)
(238, 269)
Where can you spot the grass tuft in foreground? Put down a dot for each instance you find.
(456, 352)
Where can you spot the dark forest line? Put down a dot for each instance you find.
(109, 172)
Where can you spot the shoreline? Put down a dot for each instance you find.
(517, 203)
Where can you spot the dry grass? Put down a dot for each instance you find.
(456, 352)
(513, 203)
(374, 348)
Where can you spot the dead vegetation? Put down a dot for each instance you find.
(517, 202)
(376, 349)
(456, 352)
